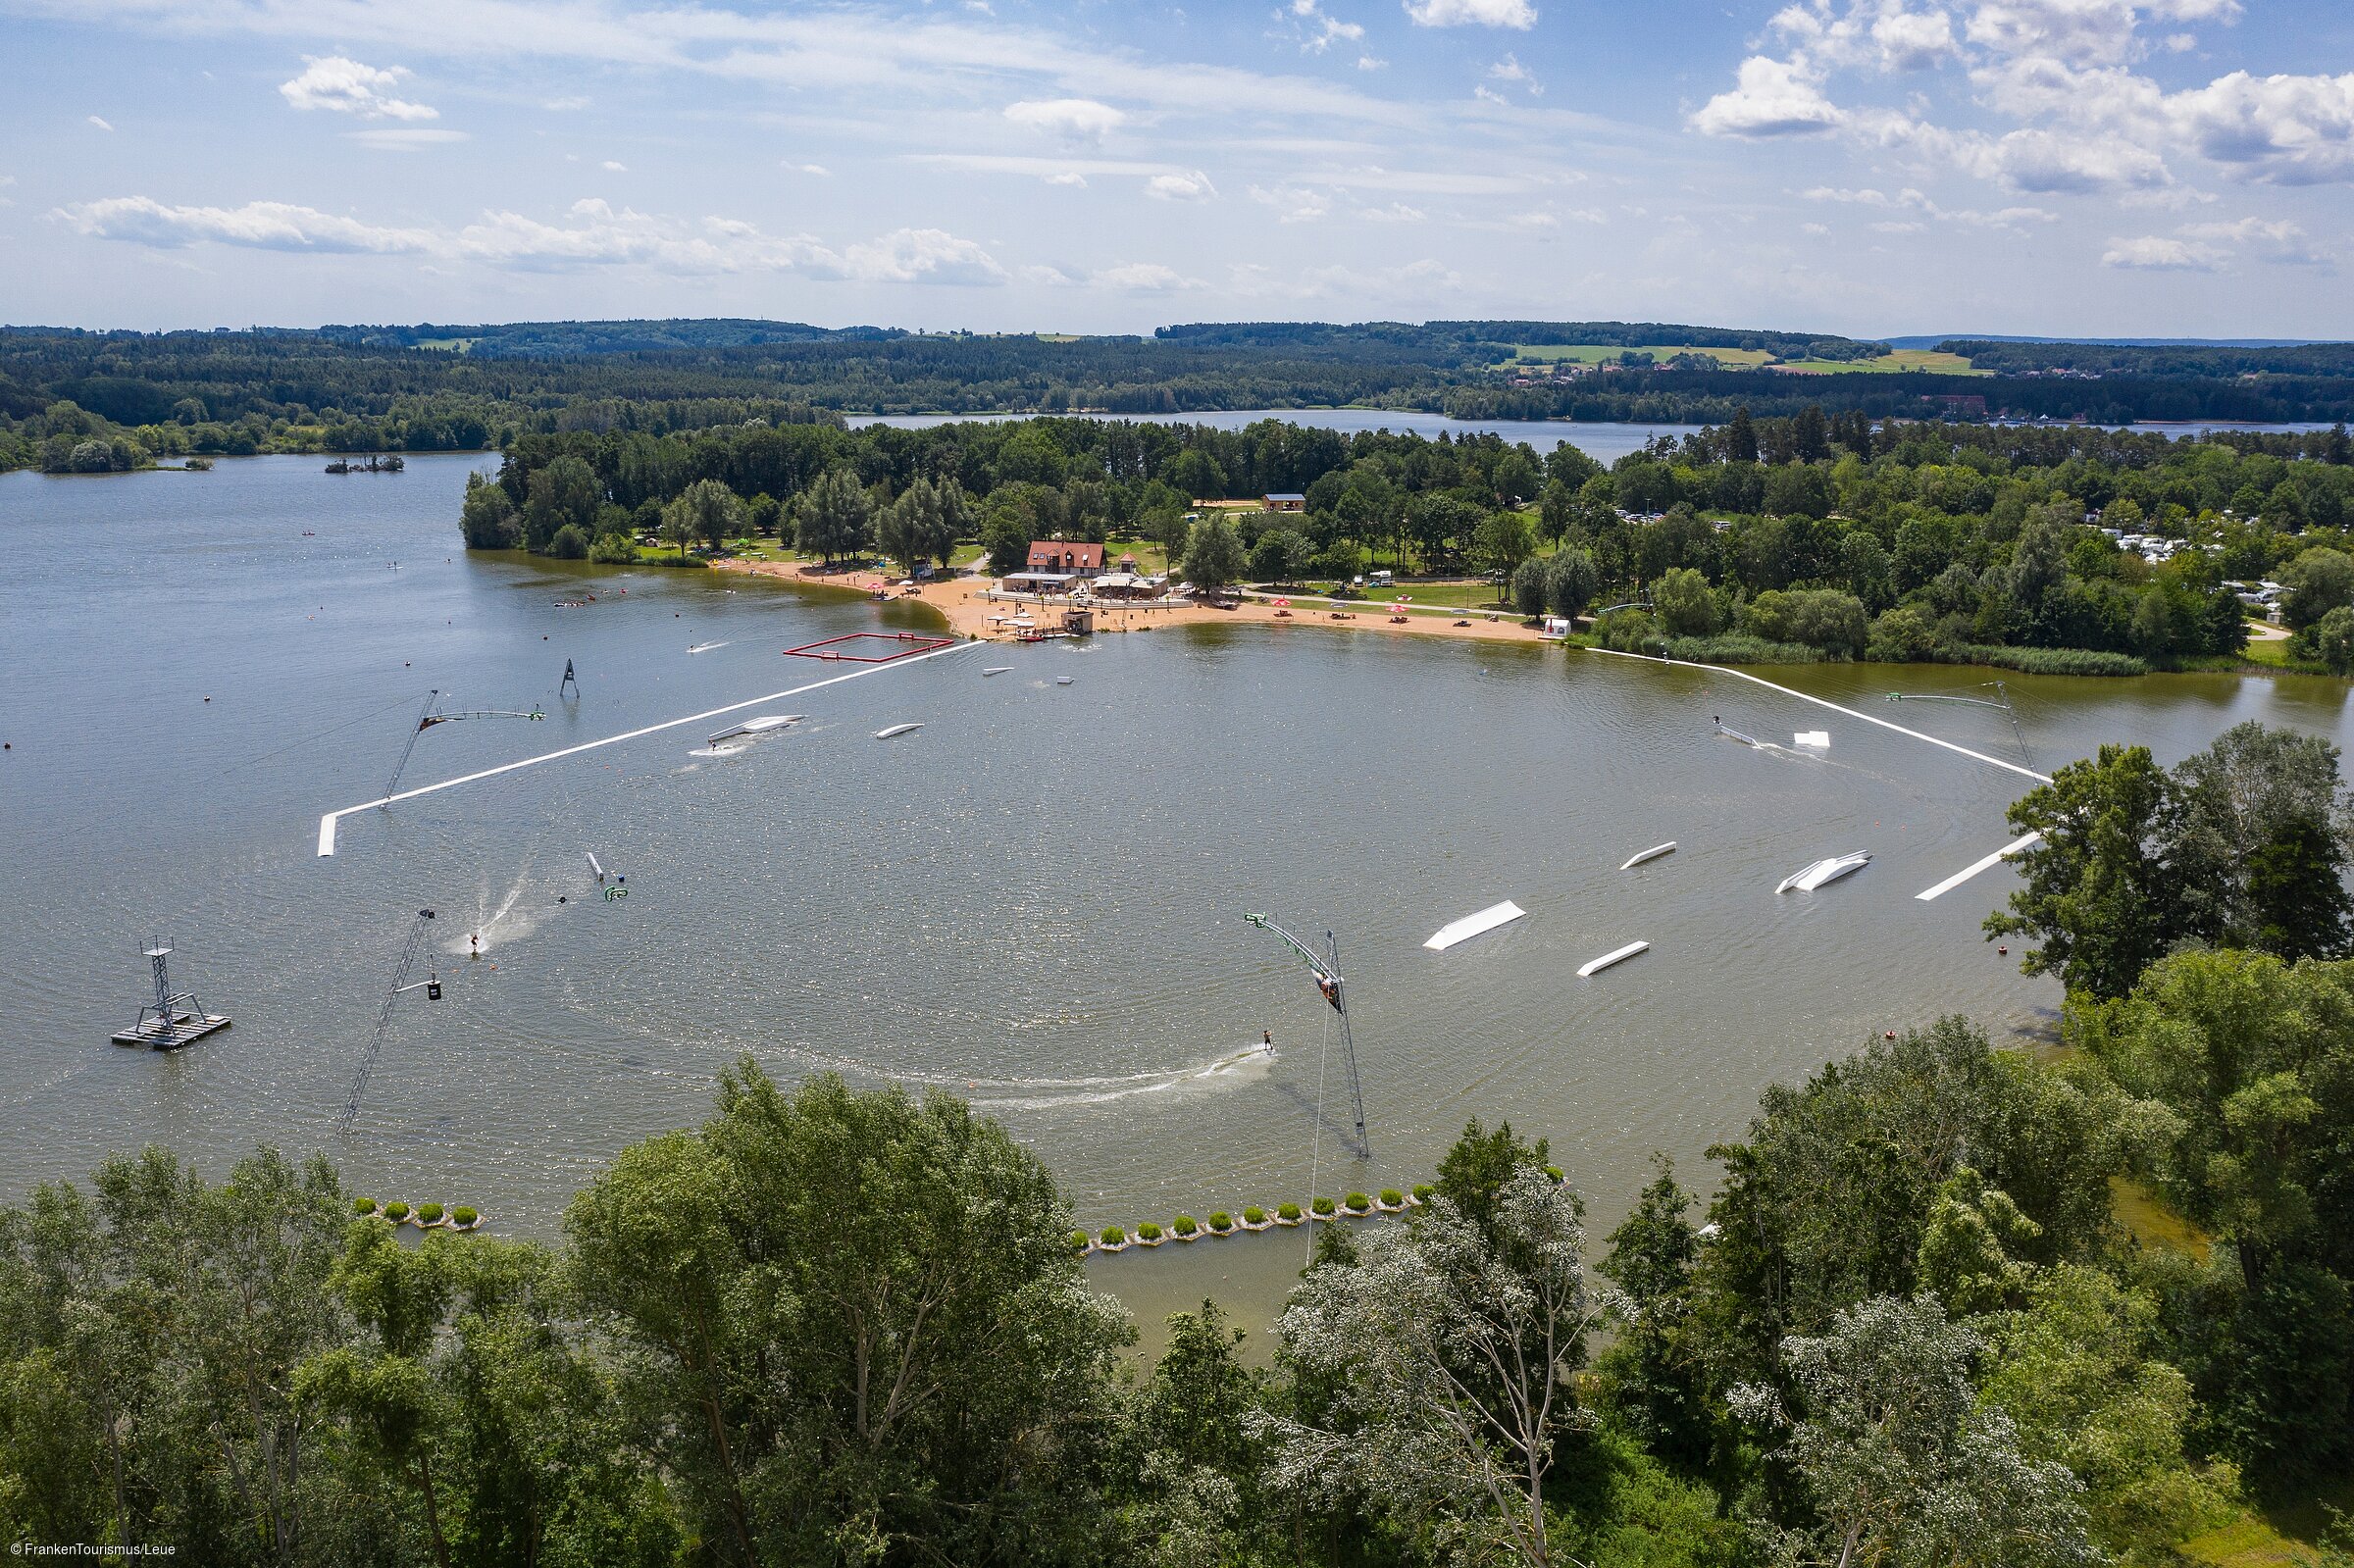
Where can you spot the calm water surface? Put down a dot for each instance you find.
(1036, 900)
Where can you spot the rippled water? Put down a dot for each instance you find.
(1035, 900)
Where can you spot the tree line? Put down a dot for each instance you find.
(831, 1327)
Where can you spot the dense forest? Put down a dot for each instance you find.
(1761, 541)
(1946, 1306)
(457, 387)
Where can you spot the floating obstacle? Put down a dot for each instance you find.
(1617, 955)
(998, 668)
(1471, 925)
(890, 730)
(1813, 739)
(871, 647)
(1653, 853)
(763, 725)
(1823, 873)
(175, 1018)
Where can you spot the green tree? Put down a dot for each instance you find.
(1902, 1464)
(1213, 554)
(1656, 1370)
(1281, 555)
(2332, 639)
(1529, 586)
(1501, 543)
(1571, 579)
(488, 518)
(565, 492)
(1685, 605)
(708, 512)
(2098, 896)
(830, 520)
(2318, 581)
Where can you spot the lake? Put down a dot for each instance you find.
(1035, 900)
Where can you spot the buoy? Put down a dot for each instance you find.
(1888, 1034)
(2003, 951)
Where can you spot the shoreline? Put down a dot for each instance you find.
(964, 605)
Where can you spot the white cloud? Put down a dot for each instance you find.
(1396, 212)
(2275, 240)
(345, 86)
(1770, 98)
(1816, 230)
(612, 168)
(593, 235)
(1293, 204)
(817, 171)
(258, 225)
(1068, 176)
(1328, 29)
(1517, 14)
(1913, 40)
(100, 124)
(404, 139)
(565, 105)
(1148, 277)
(2155, 253)
(1080, 121)
(2289, 131)
(1193, 186)
(1049, 276)
(1369, 63)
(1509, 69)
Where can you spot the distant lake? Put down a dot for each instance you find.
(1602, 441)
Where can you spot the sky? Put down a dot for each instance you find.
(2158, 167)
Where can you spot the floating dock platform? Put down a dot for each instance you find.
(175, 1018)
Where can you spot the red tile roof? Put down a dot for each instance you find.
(1065, 555)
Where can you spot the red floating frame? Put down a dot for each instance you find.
(909, 644)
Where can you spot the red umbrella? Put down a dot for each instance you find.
(1283, 605)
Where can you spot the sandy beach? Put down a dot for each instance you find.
(965, 604)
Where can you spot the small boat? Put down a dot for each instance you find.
(1617, 955)
(998, 668)
(1471, 925)
(1653, 853)
(761, 725)
(1823, 873)
(897, 729)
(1063, 680)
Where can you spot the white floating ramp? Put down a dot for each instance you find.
(998, 668)
(2014, 847)
(756, 726)
(1653, 853)
(1814, 739)
(1471, 925)
(898, 729)
(1617, 955)
(1823, 873)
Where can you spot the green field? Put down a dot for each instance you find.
(1904, 359)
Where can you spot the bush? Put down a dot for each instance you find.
(430, 1213)
(1391, 1197)
(363, 1205)
(1424, 1192)
(1254, 1215)
(1357, 1202)
(614, 549)
(1904, 636)
(1221, 1221)
(1629, 631)
(1147, 1232)
(1078, 1240)
(1555, 1172)
(1185, 1225)
(1287, 1211)
(1737, 647)
(2052, 661)
(396, 1211)
(464, 1216)
(569, 544)
(1322, 1206)
(1112, 1236)
(1820, 617)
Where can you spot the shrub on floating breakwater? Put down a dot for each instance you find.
(430, 1213)
(396, 1211)
(1424, 1192)
(1254, 1215)
(1185, 1227)
(363, 1206)
(1357, 1202)
(1392, 1198)
(1148, 1233)
(1555, 1172)
(1287, 1214)
(1322, 1207)
(1113, 1236)
(464, 1218)
(1221, 1222)
(1079, 1242)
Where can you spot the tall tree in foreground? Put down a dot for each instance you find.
(1902, 1464)
(1448, 1347)
(2098, 897)
(830, 520)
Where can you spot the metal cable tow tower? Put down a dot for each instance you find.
(432, 986)
(1327, 971)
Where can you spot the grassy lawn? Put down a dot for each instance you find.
(1904, 359)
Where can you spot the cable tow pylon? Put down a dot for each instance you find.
(431, 715)
(1327, 970)
(2001, 701)
(431, 985)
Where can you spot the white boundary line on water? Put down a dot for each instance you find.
(326, 823)
(1950, 882)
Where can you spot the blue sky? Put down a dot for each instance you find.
(2175, 167)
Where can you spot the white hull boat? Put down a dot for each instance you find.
(1823, 873)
